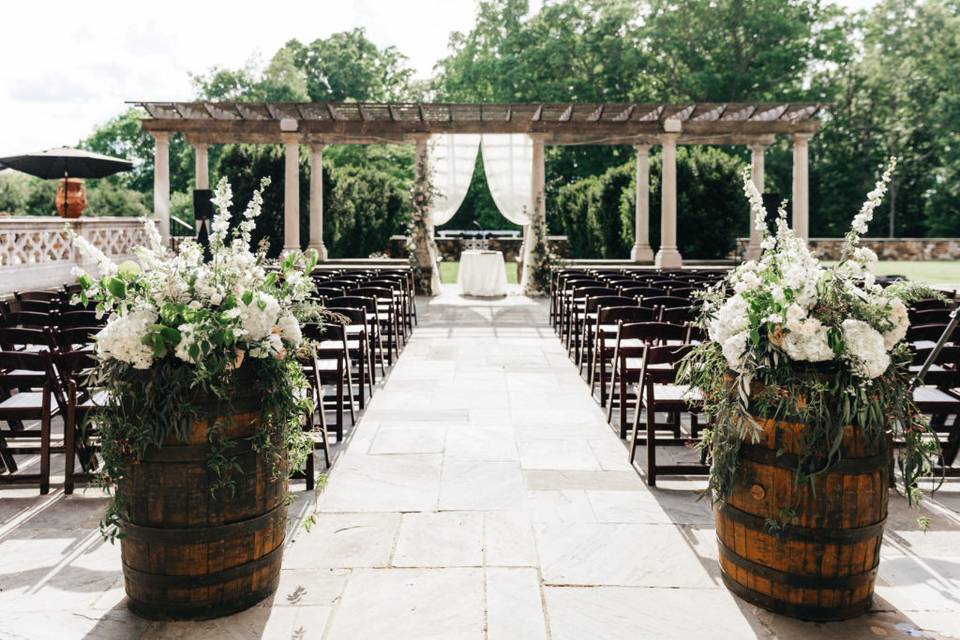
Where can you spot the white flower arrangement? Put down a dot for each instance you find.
(792, 340)
(174, 304)
(788, 303)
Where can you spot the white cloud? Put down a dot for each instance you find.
(74, 67)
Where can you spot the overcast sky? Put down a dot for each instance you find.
(68, 66)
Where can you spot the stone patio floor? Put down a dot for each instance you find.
(482, 495)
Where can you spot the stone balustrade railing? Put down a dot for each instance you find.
(35, 252)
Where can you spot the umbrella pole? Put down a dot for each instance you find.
(66, 214)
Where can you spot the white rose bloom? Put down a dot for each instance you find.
(290, 330)
(901, 322)
(865, 347)
(808, 342)
(257, 323)
(122, 339)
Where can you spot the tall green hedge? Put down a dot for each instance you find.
(363, 206)
(597, 213)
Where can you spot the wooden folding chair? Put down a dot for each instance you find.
(18, 406)
(632, 340)
(657, 390)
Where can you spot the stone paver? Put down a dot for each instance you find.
(481, 496)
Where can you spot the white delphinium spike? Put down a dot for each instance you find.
(861, 221)
(222, 201)
(92, 253)
(251, 213)
(758, 214)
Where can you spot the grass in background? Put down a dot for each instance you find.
(449, 271)
(929, 271)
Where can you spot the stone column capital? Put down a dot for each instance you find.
(317, 147)
(668, 138)
(160, 137)
(642, 148)
(801, 138)
(290, 139)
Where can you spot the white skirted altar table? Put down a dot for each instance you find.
(482, 273)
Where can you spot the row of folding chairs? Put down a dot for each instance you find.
(42, 377)
(42, 354)
(937, 394)
(627, 330)
(372, 313)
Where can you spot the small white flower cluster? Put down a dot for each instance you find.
(122, 338)
(179, 305)
(786, 302)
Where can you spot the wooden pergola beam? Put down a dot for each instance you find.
(715, 123)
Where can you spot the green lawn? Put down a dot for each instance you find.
(449, 270)
(931, 271)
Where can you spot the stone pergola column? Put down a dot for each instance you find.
(757, 173)
(291, 193)
(161, 182)
(801, 185)
(668, 257)
(201, 166)
(641, 251)
(537, 187)
(316, 200)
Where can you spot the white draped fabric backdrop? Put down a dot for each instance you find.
(508, 164)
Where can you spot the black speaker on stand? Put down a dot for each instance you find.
(771, 204)
(203, 216)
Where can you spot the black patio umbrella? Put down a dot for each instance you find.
(65, 162)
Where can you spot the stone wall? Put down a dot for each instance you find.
(886, 248)
(450, 248)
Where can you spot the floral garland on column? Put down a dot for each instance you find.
(543, 260)
(421, 246)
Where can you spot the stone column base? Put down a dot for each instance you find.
(321, 251)
(668, 259)
(641, 253)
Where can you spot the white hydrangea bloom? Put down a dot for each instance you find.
(290, 330)
(122, 338)
(258, 323)
(734, 348)
(900, 321)
(865, 347)
(187, 339)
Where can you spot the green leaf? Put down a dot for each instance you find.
(171, 335)
(117, 287)
(247, 297)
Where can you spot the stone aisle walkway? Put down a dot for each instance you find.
(482, 496)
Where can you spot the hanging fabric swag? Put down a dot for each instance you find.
(508, 164)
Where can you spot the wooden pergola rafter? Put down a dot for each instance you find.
(557, 123)
(639, 124)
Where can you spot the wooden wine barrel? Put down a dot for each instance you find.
(192, 553)
(821, 566)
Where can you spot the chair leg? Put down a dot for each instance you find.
(348, 371)
(623, 405)
(635, 434)
(613, 386)
(308, 471)
(339, 412)
(362, 383)
(602, 365)
(69, 440)
(45, 445)
(651, 436)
